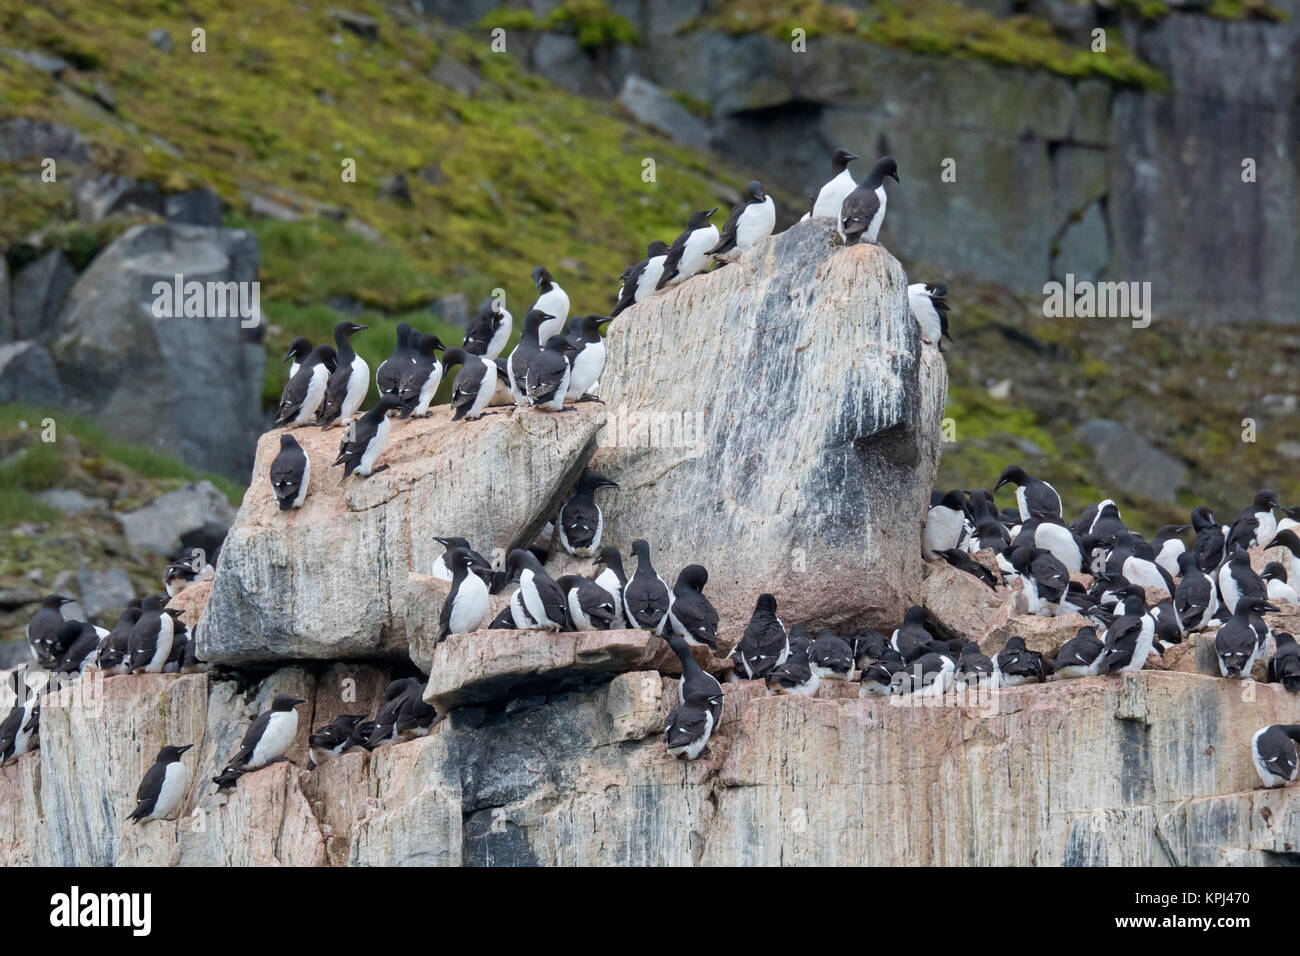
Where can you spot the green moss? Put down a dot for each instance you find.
(697, 107)
(592, 22)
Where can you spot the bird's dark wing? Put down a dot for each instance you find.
(294, 394)
(857, 211)
(545, 376)
(673, 259)
(251, 737)
(627, 295)
(579, 518)
(727, 239)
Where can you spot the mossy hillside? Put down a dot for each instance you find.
(937, 28)
(503, 178)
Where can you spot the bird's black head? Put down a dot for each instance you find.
(386, 403)
(591, 326)
(1273, 571)
(287, 441)
(840, 160)
(403, 334)
(1286, 539)
(1186, 563)
(1014, 644)
(518, 559)
(430, 344)
(1202, 518)
(610, 558)
(955, 501)
(345, 330)
(151, 603)
(542, 279)
(1255, 605)
(299, 349)
(656, 248)
(693, 576)
(885, 166)
(700, 218)
(915, 615)
(322, 355)
(641, 548)
(170, 753)
(533, 318)
(454, 356)
(766, 604)
(452, 542)
(755, 191)
(1283, 639)
(283, 702)
(1012, 474)
(55, 601)
(458, 559)
(1266, 500)
(1291, 511)
(591, 480)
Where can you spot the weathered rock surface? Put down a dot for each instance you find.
(197, 515)
(28, 375)
(1129, 462)
(329, 580)
(786, 438)
(202, 396)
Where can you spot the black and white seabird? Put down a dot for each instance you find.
(1016, 664)
(299, 349)
(690, 613)
(974, 668)
(1167, 546)
(912, 637)
(552, 302)
(765, 644)
(20, 733)
(1290, 540)
(403, 716)
(646, 598)
(336, 738)
(1129, 640)
(587, 356)
(794, 675)
(1279, 587)
(291, 472)
(420, 381)
(581, 522)
(591, 607)
(43, 630)
(1080, 656)
(612, 578)
(1051, 535)
(1211, 537)
(962, 561)
(1045, 579)
(267, 740)
(539, 376)
(1273, 749)
(641, 280)
(474, 386)
(751, 220)
(151, 638)
(1134, 559)
(863, 210)
(162, 790)
(349, 383)
(689, 253)
(1196, 598)
(1237, 579)
(304, 393)
(466, 608)
(388, 377)
(81, 641)
(189, 567)
(1034, 496)
(928, 675)
(114, 650)
(831, 197)
(364, 440)
(930, 309)
(945, 523)
(695, 679)
(830, 656)
(1284, 667)
(1255, 524)
(688, 727)
(478, 564)
(880, 675)
(1236, 643)
(489, 330)
(542, 598)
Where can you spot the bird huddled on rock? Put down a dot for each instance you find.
(162, 791)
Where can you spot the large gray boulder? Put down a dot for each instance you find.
(777, 421)
(39, 290)
(1131, 463)
(28, 375)
(330, 580)
(196, 515)
(189, 385)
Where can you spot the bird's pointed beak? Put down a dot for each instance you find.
(608, 484)
(999, 484)
(181, 750)
(299, 700)
(894, 176)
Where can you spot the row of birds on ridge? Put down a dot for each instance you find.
(549, 366)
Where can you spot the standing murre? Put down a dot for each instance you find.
(581, 522)
(388, 376)
(43, 629)
(552, 302)
(1167, 546)
(1237, 579)
(474, 386)
(689, 726)
(1255, 524)
(930, 309)
(1034, 496)
(863, 210)
(162, 790)
(349, 383)
(588, 356)
(646, 598)
(267, 740)
(1273, 750)
(1236, 643)
(612, 578)
(151, 638)
(542, 598)
(403, 716)
(751, 220)
(690, 613)
(290, 473)
(1284, 667)
(764, 645)
(21, 729)
(466, 608)
(364, 440)
(539, 376)
(944, 526)
(419, 383)
(1290, 540)
(1046, 580)
(114, 650)
(695, 679)
(81, 641)
(190, 567)
(831, 197)
(591, 607)
(299, 349)
(641, 280)
(478, 564)
(1129, 640)
(489, 329)
(912, 636)
(974, 668)
(1208, 548)
(303, 394)
(689, 253)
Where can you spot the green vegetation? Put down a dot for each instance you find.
(592, 22)
(937, 28)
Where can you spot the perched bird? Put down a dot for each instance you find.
(641, 280)
(646, 598)
(1167, 546)
(830, 656)
(1045, 579)
(1237, 580)
(349, 383)
(466, 608)
(1129, 640)
(304, 393)
(539, 376)
(81, 642)
(389, 374)
(880, 676)
(587, 350)
(1237, 644)
(591, 607)
(689, 613)
(489, 329)
(581, 522)
(831, 197)
(930, 309)
(689, 253)
(1280, 590)
(290, 473)
(1080, 656)
(912, 637)
(1169, 628)
(751, 220)
(552, 302)
(974, 669)
(1016, 664)
(267, 740)
(945, 523)
(542, 598)
(1284, 668)
(21, 729)
(1273, 750)
(794, 675)
(1196, 598)
(863, 210)
(1052, 536)
(688, 727)
(190, 567)
(114, 650)
(1255, 524)
(162, 790)
(299, 349)
(1035, 497)
(474, 386)
(336, 738)
(403, 716)
(364, 440)
(43, 630)
(419, 383)
(151, 638)
(765, 644)
(612, 579)
(1133, 559)
(1208, 549)
(480, 565)
(964, 562)
(1292, 520)
(1291, 541)
(695, 679)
